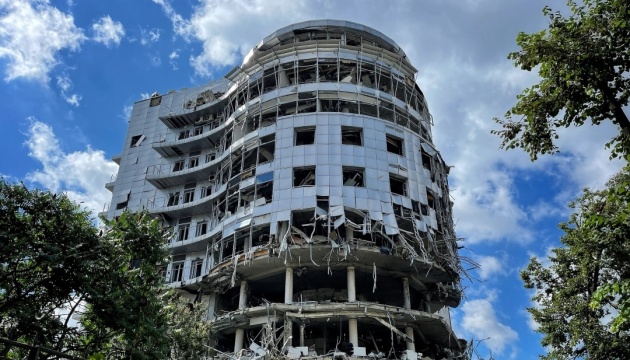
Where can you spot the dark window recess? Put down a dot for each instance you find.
(431, 200)
(304, 136)
(177, 272)
(394, 145)
(195, 270)
(198, 130)
(183, 135)
(122, 205)
(136, 140)
(424, 209)
(173, 199)
(397, 185)
(353, 177)
(202, 228)
(178, 166)
(426, 160)
(155, 101)
(351, 136)
(304, 176)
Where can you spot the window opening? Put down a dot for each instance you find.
(397, 185)
(210, 157)
(178, 166)
(304, 136)
(173, 199)
(202, 228)
(426, 160)
(137, 140)
(189, 192)
(122, 205)
(394, 144)
(183, 135)
(353, 176)
(198, 130)
(182, 232)
(193, 161)
(195, 269)
(351, 136)
(155, 101)
(304, 176)
(177, 272)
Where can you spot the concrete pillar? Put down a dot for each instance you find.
(349, 233)
(302, 330)
(409, 332)
(212, 301)
(425, 305)
(352, 291)
(353, 332)
(242, 298)
(406, 294)
(287, 333)
(283, 227)
(288, 286)
(238, 339)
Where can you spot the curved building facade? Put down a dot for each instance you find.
(309, 207)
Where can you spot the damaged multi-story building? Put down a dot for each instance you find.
(309, 207)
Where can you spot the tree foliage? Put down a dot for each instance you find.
(583, 61)
(54, 261)
(593, 257)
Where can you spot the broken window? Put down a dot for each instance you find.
(202, 228)
(122, 205)
(173, 199)
(183, 135)
(431, 199)
(177, 271)
(178, 166)
(266, 149)
(195, 268)
(155, 101)
(394, 144)
(210, 157)
(189, 195)
(353, 176)
(351, 136)
(198, 130)
(304, 176)
(304, 136)
(426, 160)
(182, 231)
(136, 140)
(397, 185)
(193, 160)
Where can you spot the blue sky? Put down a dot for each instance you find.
(71, 71)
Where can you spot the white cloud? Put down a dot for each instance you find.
(108, 31)
(149, 36)
(81, 174)
(480, 321)
(31, 35)
(229, 30)
(173, 56)
(488, 266)
(65, 84)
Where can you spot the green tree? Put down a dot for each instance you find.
(48, 247)
(188, 329)
(593, 257)
(584, 64)
(53, 257)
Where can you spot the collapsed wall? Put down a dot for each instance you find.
(310, 209)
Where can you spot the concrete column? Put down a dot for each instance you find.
(238, 339)
(425, 305)
(302, 330)
(349, 233)
(353, 332)
(283, 227)
(242, 298)
(287, 333)
(409, 332)
(406, 294)
(352, 291)
(212, 301)
(288, 286)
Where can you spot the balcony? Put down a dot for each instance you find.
(190, 139)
